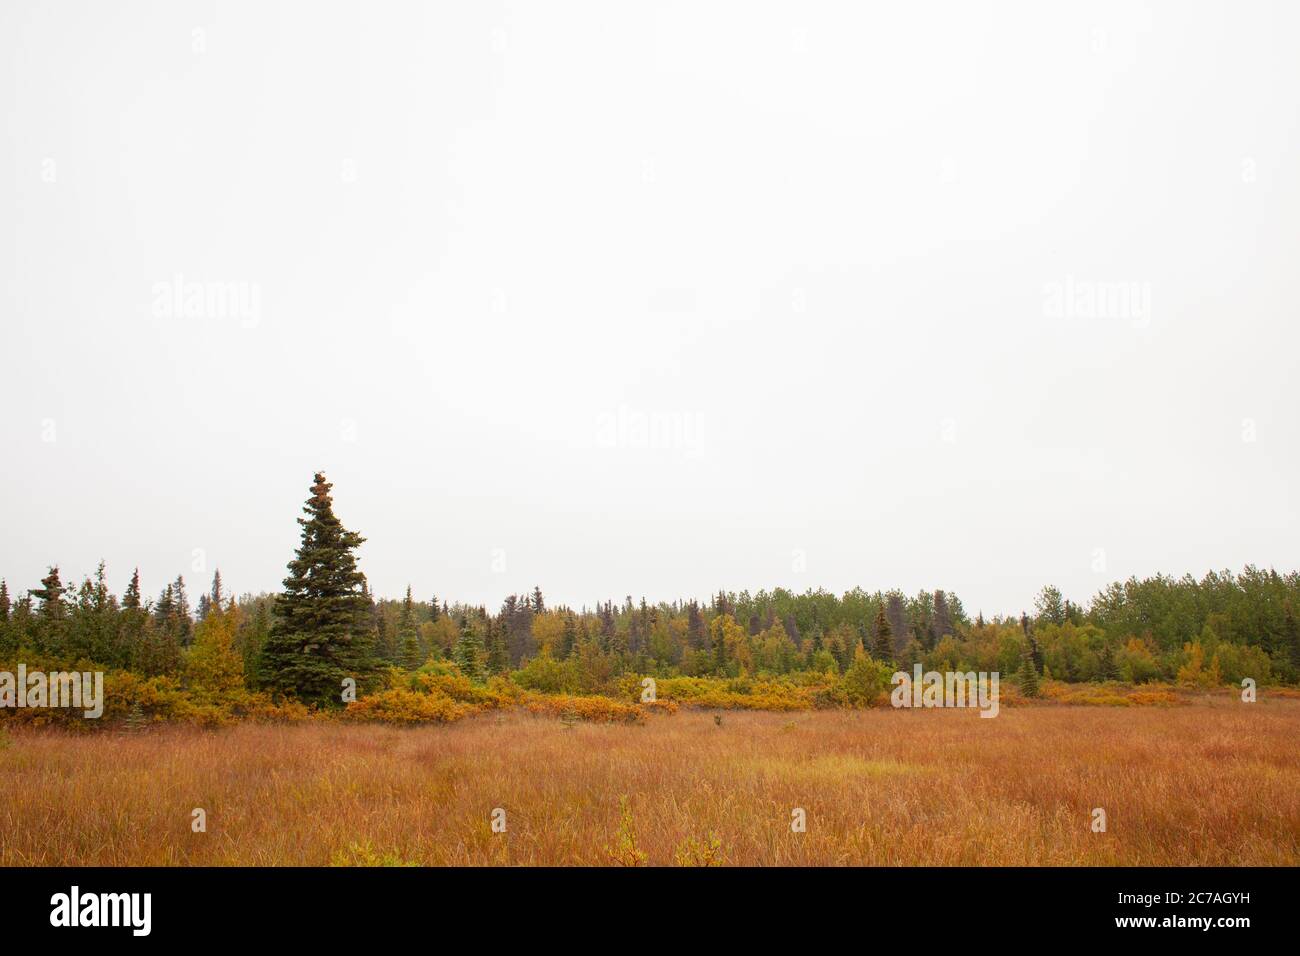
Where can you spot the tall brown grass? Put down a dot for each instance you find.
(1213, 782)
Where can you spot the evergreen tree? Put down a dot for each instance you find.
(1035, 652)
(538, 606)
(634, 634)
(183, 622)
(408, 640)
(792, 630)
(841, 652)
(569, 637)
(1107, 667)
(165, 607)
(321, 618)
(158, 651)
(897, 614)
(1291, 632)
(131, 599)
(942, 616)
(51, 614)
(468, 652)
(254, 628)
(50, 594)
(498, 658)
(412, 658)
(883, 646)
(695, 631)
(1028, 677)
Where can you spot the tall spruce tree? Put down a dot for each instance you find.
(131, 599)
(321, 629)
(942, 616)
(883, 647)
(498, 656)
(1035, 652)
(408, 639)
(1027, 677)
(695, 630)
(50, 594)
(468, 652)
(896, 611)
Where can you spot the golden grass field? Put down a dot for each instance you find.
(1211, 782)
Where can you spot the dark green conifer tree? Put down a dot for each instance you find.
(320, 634)
(468, 652)
(131, 599)
(568, 638)
(183, 623)
(1291, 632)
(498, 660)
(1108, 669)
(50, 594)
(1027, 677)
(408, 639)
(882, 648)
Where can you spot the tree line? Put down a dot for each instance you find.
(326, 625)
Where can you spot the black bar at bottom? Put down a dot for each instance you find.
(334, 906)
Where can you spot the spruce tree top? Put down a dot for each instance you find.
(324, 565)
(321, 629)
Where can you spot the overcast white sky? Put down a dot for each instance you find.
(652, 298)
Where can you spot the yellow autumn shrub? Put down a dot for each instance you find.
(409, 707)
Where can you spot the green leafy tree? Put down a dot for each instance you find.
(214, 664)
(320, 634)
(1051, 606)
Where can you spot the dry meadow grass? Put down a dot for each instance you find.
(1214, 782)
